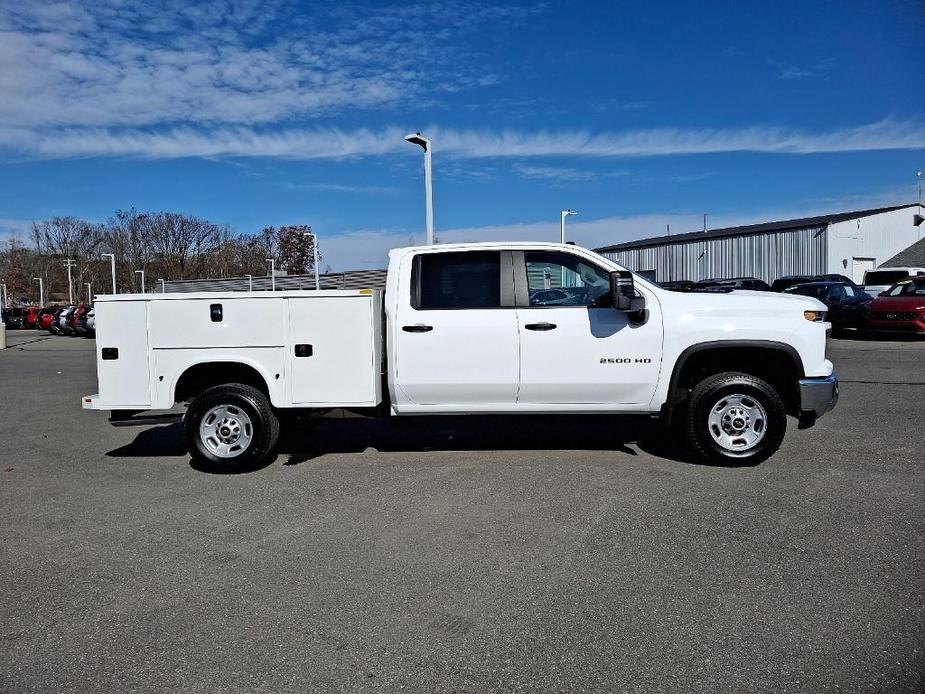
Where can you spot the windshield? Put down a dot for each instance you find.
(916, 288)
(880, 277)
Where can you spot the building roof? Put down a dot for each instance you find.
(784, 225)
(914, 256)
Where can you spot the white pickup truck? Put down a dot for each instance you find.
(464, 329)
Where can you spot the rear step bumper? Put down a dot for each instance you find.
(136, 418)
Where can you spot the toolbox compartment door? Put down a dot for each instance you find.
(122, 354)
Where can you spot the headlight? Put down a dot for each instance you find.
(816, 316)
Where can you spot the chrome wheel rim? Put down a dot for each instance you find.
(737, 422)
(226, 431)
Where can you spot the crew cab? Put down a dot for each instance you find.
(463, 329)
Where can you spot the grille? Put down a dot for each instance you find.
(895, 315)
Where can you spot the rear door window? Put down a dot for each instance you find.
(468, 279)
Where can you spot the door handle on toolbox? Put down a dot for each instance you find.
(418, 328)
(540, 326)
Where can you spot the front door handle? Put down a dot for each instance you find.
(419, 328)
(540, 326)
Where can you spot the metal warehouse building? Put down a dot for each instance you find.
(847, 243)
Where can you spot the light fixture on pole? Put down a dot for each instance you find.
(250, 282)
(918, 175)
(272, 274)
(163, 285)
(41, 290)
(112, 264)
(423, 142)
(89, 292)
(314, 255)
(69, 263)
(142, 273)
(5, 302)
(562, 215)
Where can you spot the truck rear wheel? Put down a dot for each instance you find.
(735, 419)
(231, 427)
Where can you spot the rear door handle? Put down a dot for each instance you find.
(419, 328)
(540, 326)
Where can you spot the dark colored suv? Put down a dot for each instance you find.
(846, 303)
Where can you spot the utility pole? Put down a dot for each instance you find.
(69, 263)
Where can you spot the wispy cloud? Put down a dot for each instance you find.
(242, 62)
(798, 72)
(334, 143)
(342, 188)
(565, 175)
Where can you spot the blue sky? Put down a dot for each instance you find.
(637, 115)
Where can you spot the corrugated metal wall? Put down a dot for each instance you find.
(355, 279)
(766, 256)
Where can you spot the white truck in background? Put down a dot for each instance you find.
(465, 329)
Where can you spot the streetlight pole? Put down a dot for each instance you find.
(41, 290)
(423, 142)
(562, 215)
(142, 273)
(69, 263)
(163, 285)
(250, 282)
(272, 274)
(112, 263)
(89, 292)
(5, 302)
(314, 255)
(918, 175)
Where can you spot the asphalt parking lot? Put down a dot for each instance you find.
(464, 555)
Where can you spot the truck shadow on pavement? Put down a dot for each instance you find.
(307, 440)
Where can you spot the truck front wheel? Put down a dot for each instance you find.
(735, 419)
(231, 427)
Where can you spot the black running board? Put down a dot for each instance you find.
(135, 418)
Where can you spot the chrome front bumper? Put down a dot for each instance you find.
(818, 395)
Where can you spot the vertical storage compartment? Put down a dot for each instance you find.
(123, 371)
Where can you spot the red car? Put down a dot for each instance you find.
(901, 308)
(44, 317)
(28, 316)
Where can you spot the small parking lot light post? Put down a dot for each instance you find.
(112, 264)
(250, 282)
(142, 273)
(562, 215)
(5, 302)
(163, 287)
(272, 274)
(41, 290)
(69, 263)
(89, 292)
(314, 255)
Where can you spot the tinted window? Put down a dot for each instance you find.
(885, 276)
(471, 279)
(576, 281)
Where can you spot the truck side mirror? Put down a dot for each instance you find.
(623, 296)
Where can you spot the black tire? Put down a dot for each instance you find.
(263, 431)
(720, 393)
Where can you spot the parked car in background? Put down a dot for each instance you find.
(64, 326)
(91, 323)
(781, 283)
(901, 308)
(28, 316)
(74, 319)
(678, 285)
(883, 278)
(847, 305)
(53, 327)
(13, 318)
(750, 283)
(80, 320)
(44, 317)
